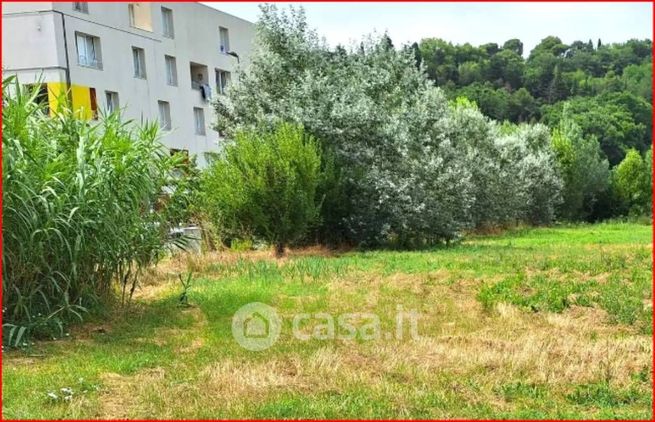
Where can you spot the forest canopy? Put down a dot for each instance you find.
(608, 87)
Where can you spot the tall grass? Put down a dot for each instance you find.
(78, 211)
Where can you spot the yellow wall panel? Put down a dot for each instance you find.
(81, 101)
(80, 98)
(56, 95)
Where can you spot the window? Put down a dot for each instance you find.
(199, 75)
(112, 101)
(81, 6)
(199, 117)
(88, 50)
(171, 70)
(222, 79)
(164, 115)
(224, 39)
(139, 58)
(167, 22)
(140, 16)
(94, 103)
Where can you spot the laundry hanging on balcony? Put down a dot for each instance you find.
(206, 92)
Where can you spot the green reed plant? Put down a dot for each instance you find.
(79, 219)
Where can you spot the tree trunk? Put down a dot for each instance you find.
(279, 250)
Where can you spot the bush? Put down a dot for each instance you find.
(536, 190)
(408, 168)
(77, 210)
(264, 186)
(398, 176)
(495, 191)
(632, 183)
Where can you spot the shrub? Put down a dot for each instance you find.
(264, 185)
(632, 183)
(535, 192)
(77, 211)
(382, 121)
(495, 190)
(408, 168)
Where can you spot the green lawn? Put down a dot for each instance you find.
(539, 323)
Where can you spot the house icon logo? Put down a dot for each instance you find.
(256, 326)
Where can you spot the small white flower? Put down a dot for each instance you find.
(67, 391)
(53, 396)
(68, 398)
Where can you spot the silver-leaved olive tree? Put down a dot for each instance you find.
(408, 167)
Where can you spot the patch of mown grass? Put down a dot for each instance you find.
(624, 300)
(611, 273)
(601, 394)
(164, 361)
(536, 294)
(522, 390)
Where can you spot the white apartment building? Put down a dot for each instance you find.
(155, 61)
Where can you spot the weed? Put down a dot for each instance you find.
(186, 285)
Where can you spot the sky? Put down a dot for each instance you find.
(476, 23)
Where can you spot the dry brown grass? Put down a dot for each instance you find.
(170, 268)
(467, 355)
(555, 349)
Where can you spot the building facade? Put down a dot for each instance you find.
(154, 61)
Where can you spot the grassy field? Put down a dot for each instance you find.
(540, 323)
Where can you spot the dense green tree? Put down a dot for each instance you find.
(490, 48)
(506, 69)
(492, 102)
(610, 122)
(416, 52)
(637, 79)
(522, 107)
(469, 73)
(557, 89)
(515, 45)
(615, 78)
(632, 181)
(439, 59)
(550, 45)
(584, 169)
(539, 73)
